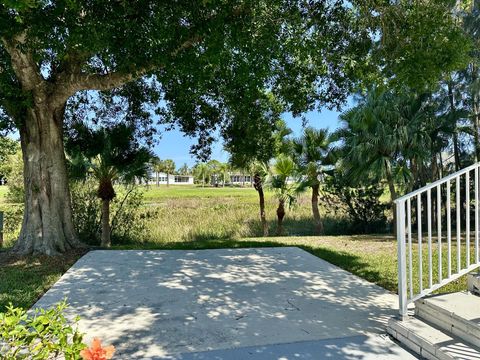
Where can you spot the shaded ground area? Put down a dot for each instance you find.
(161, 304)
(24, 279)
(378, 347)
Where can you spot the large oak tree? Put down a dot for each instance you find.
(195, 64)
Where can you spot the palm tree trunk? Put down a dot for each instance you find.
(158, 179)
(258, 186)
(435, 172)
(440, 164)
(106, 242)
(456, 149)
(393, 193)
(476, 115)
(168, 179)
(280, 216)
(316, 212)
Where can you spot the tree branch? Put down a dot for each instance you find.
(72, 80)
(23, 64)
(69, 84)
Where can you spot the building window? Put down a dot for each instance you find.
(181, 179)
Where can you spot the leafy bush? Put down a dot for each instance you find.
(361, 205)
(43, 334)
(12, 221)
(128, 216)
(13, 170)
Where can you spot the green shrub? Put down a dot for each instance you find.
(361, 205)
(43, 334)
(128, 215)
(12, 221)
(13, 170)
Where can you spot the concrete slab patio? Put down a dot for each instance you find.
(178, 304)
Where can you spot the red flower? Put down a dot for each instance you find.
(96, 352)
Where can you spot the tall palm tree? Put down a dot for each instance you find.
(381, 136)
(282, 179)
(157, 166)
(311, 153)
(224, 171)
(260, 172)
(372, 137)
(184, 170)
(202, 171)
(169, 168)
(109, 155)
(214, 171)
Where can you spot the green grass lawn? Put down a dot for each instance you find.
(155, 193)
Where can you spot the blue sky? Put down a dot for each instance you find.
(173, 145)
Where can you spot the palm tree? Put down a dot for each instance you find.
(202, 171)
(260, 172)
(184, 170)
(169, 168)
(385, 138)
(157, 166)
(372, 135)
(312, 153)
(109, 155)
(282, 180)
(224, 171)
(214, 170)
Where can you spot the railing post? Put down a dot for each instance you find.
(402, 260)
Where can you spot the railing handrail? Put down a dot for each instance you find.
(436, 183)
(407, 291)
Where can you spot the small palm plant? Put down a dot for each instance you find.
(312, 153)
(109, 155)
(283, 180)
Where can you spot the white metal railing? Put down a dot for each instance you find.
(424, 224)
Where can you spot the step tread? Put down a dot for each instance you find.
(460, 304)
(427, 339)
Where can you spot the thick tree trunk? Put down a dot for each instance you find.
(47, 226)
(168, 180)
(158, 179)
(280, 216)
(106, 242)
(316, 212)
(258, 186)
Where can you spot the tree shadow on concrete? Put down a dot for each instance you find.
(158, 304)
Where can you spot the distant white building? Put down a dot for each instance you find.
(172, 179)
(240, 179)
